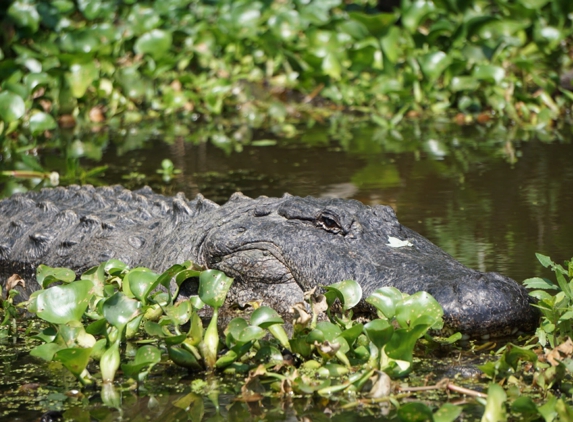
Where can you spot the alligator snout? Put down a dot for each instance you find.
(485, 304)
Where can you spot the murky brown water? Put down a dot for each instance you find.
(487, 197)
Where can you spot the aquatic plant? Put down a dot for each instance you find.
(68, 63)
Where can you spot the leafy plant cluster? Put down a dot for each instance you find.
(545, 364)
(119, 318)
(127, 318)
(99, 60)
(556, 309)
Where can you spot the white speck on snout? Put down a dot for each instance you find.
(394, 242)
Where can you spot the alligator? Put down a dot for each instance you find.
(275, 248)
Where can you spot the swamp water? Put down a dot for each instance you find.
(491, 197)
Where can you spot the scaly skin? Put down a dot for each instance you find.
(275, 248)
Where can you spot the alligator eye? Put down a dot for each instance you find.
(329, 224)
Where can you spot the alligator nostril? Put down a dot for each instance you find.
(469, 303)
(241, 230)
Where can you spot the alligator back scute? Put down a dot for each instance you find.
(81, 227)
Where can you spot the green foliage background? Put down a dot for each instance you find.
(266, 61)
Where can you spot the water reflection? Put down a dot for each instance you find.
(487, 198)
(490, 196)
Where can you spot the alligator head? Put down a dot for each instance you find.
(276, 249)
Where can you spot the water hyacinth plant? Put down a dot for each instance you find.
(92, 318)
(329, 353)
(112, 302)
(66, 63)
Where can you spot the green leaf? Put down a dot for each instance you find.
(285, 25)
(250, 333)
(81, 76)
(213, 287)
(265, 317)
(47, 335)
(533, 4)
(329, 330)
(33, 80)
(379, 332)
(84, 41)
(234, 329)
(447, 413)
(118, 310)
(156, 43)
(463, 83)
(563, 284)
(154, 329)
(46, 351)
(12, 106)
(195, 334)
(331, 65)
(264, 143)
(349, 292)
(269, 355)
(145, 357)
(544, 260)
(245, 18)
(180, 313)
(184, 358)
(401, 345)
(165, 278)
(115, 266)
(564, 411)
(390, 44)
(354, 28)
(90, 8)
(539, 283)
(415, 13)
(489, 73)
(97, 328)
(193, 404)
(74, 359)
(230, 357)
(515, 353)
(24, 14)
(40, 122)
(143, 19)
(16, 88)
(318, 12)
(385, 299)
(109, 362)
(419, 308)
(46, 275)
(63, 304)
(434, 64)
(141, 282)
(415, 412)
(352, 333)
(376, 24)
(524, 405)
(495, 405)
